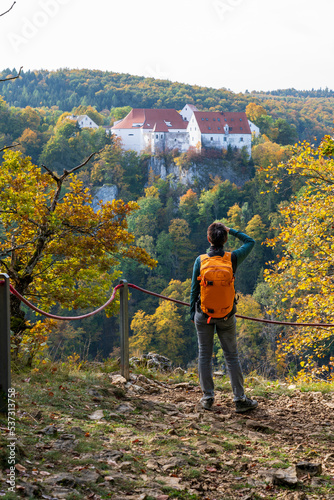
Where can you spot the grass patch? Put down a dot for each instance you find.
(182, 495)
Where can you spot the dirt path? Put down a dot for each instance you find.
(95, 436)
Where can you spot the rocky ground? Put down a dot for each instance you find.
(92, 435)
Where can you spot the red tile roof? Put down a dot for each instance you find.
(160, 127)
(164, 119)
(213, 122)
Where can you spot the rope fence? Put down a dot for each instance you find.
(63, 318)
(135, 287)
(6, 289)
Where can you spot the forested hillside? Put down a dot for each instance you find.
(169, 218)
(311, 112)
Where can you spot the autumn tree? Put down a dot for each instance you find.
(188, 206)
(53, 246)
(303, 276)
(255, 111)
(182, 248)
(164, 331)
(269, 153)
(214, 203)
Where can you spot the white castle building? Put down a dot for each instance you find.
(164, 129)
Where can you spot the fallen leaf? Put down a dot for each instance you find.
(210, 469)
(20, 468)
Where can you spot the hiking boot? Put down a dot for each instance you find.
(207, 403)
(246, 404)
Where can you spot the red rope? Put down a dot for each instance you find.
(273, 322)
(158, 295)
(72, 318)
(64, 318)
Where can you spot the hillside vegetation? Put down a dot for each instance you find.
(311, 112)
(283, 194)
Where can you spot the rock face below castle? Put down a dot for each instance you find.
(202, 172)
(104, 194)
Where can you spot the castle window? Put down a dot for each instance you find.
(240, 128)
(207, 119)
(218, 128)
(209, 128)
(241, 139)
(225, 139)
(202, 119)
(211, 138)
(157, 137)
(219, 119)
(241, 119)
(162, 136)
(214, 119)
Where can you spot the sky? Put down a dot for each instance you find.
(235, 44)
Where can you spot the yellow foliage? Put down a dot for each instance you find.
(54, 246)
(303, 277)
(163, 330)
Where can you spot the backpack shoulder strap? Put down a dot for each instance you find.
(204, 256)
(228, 256)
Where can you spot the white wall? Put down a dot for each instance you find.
(177, 139)
(131, 138)
(222, 141)
(194, 132)
(254, 128)
(186, 113)
(87, 122)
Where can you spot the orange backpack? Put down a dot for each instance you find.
(217, 285)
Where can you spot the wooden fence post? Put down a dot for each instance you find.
(124, 328)
(5, 371)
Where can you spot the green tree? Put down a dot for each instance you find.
(146, 220)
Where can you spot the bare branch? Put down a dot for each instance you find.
(9, 147)
(11, 77)
(8, 10)
(7, 252)
(52, 174)
(4, 264)
(60, 180)
(69, 172)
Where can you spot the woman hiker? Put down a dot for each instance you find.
(225, 325)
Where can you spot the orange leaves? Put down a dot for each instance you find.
(55, 246)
